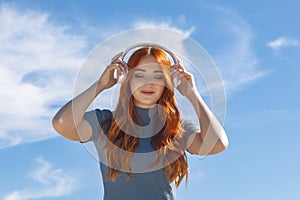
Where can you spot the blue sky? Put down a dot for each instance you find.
(254, 44)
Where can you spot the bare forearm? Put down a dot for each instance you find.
(213, 136)
(72, 112)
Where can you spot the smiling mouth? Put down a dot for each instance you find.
(147, 92)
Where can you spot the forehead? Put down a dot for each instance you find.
(147, 59)
(150, 67)
(148, 63)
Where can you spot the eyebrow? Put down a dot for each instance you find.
(140, 70)
(143, 70)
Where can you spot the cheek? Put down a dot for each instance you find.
(134, 85)
(160, 88)
(161, 85)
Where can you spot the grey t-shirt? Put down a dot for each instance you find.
(146, 185)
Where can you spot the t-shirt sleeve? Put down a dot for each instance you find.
(190, 127)
(99, 120)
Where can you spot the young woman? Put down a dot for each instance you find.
(142, 144)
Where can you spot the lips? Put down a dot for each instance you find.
(145, 92)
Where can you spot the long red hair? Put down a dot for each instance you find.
(168, 142)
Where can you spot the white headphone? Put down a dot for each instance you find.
(140, 45)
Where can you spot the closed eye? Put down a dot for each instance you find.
(158, 77)
(139, 76)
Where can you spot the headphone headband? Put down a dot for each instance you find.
(124, 53)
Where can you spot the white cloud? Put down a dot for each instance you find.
(283, 42)
(164, 25)
(234, 55)
(236, 59)
(39, 61)
(52, 183)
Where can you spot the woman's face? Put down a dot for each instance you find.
(147, 82)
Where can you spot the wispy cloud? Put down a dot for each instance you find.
(164, 25)
(39, 61)
(52, 183)
(282, 42)
(236, 58)
(234, 55)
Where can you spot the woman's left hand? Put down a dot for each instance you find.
(183, 80)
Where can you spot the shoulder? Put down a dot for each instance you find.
(98, 117)
(103, 115)
(189, 125)
(190, 128)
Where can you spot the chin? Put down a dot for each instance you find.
(145, 104)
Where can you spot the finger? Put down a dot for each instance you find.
(174, 68)
(175, 74)
(123, 65)
(187, 76)
(178, 60)
(179, 73)
(177, 67)
(121, 70)
(115, 68)
(180, 68)
(183, 77)
(117, 72)
(116, 57)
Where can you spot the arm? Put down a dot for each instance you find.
(69, 121)
(212, 139)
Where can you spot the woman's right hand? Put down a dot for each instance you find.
(107, 79)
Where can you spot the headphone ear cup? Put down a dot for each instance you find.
(122, 78)
(175, 82)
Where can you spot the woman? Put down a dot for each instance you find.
(142, 143)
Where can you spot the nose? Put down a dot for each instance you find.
(149, 80)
